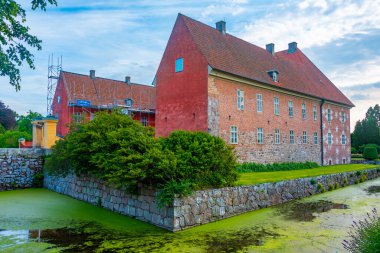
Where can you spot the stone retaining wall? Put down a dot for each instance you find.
(142, 207)
(216, 204)
(203, 206)
(18, 166)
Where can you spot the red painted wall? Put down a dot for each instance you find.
(181, 97)
(66, 112)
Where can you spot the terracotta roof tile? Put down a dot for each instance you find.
(102, 92)
(236, 56)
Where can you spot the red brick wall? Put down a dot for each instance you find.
(223, 108)
(64, 116)
(181, 97)
(336, 152)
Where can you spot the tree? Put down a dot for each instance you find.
(24, 123)
(7, 116)
(374, 113)
(10, 139)
(15, 38)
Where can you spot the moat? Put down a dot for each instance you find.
(36, 220)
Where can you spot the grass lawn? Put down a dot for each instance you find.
(251, 178)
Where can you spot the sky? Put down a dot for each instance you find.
(121, 37)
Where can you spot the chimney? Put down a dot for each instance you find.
(92, 74)
(221, 27)
(128, 79)
(270, 48)
(292, 47)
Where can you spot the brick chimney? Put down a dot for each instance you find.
(270, 48)
(128, 79)
(92, 74)
(292, 47)
(221, 27)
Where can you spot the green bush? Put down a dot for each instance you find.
(122, 152)
(38, 180)
(353, 150)
(9, 139)
(203, 160)
(256, 167)
(370, 152)
(356, 156)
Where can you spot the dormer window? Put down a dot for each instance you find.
(274, 75)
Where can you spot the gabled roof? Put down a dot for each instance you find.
(103, 92)
(238, 57)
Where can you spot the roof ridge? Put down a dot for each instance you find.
(105, 78)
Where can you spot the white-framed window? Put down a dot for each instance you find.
(343, 116)
(303, 111)
(234, 135)
(240, 100)
(291, 137)
(260, 135)
(59, 99)
(315, 138)
(259, 102)
(329, 116)
(276, 106)
(329, 138)
(277, 136)
(77, 117)
(314, 112)
(291, 109)
(275, 76)
(304, 137)
(343, 139)
(179, 65)
(144, 120)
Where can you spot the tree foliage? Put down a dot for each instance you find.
(24, 122)
(15, 38)
(7, 116)
(122, 152)
(367, 130)
(9, 139)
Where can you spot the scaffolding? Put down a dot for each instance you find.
(53, 76)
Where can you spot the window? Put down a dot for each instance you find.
(343, 117)
(234, 135)
(77, 117)
(240, 100)
(344, 161)
(291, 111)
(275, 76)
(259, 99)
(291, 137)
(179, 65)
(329, 138)
(314, 112)
(56, 115)
(343, 139)
(260, 136)
(277, 136)
(329, 115)
(315, 138)
(59, 99)
(144, 120)
(303, 111)
(276, 106)
(304, 137)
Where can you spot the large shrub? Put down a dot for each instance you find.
(203, 161)
(119, 150)
(112, 147)
(370, 152)
(9, 139)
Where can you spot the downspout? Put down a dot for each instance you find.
(321, 119)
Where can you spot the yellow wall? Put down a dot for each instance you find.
(45, 133)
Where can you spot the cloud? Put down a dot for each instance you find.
(314, 23)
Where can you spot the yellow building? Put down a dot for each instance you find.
(45, 132)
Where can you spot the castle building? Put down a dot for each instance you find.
(271, 106)
(77, 97)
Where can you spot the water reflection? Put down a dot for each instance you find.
(373, 189)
